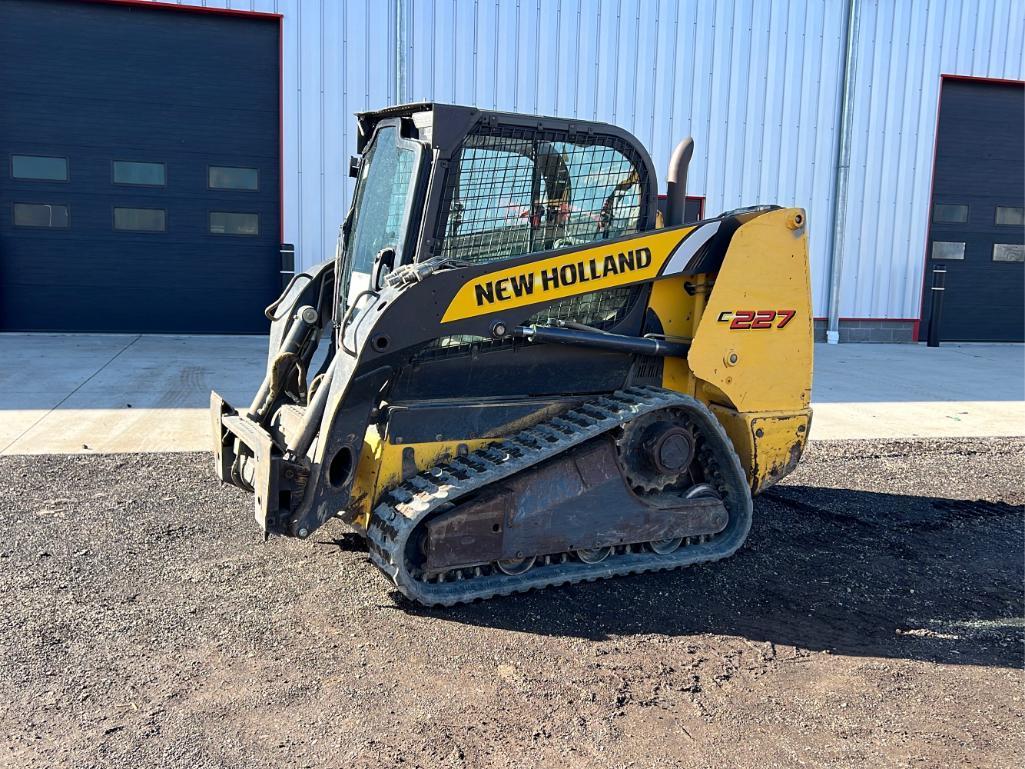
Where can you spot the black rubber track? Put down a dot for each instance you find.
(402, 509)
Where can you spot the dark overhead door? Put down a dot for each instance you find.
(139, 184)
(977, 223)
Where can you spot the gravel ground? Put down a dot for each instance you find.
(873, 619)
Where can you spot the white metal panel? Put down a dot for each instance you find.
(903, 49)
(755, 82)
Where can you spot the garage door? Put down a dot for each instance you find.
(978, 213)
(140, 185)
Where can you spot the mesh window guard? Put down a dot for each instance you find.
(516, 191)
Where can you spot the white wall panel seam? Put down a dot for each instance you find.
(894, 289)
(674, 45)
(654, 73)
(872, 227)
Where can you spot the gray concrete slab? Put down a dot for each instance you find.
(106, 393)
(914, 391)
(71, 393)
(36, 364)
(852, 373)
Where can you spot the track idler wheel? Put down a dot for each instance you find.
(593, 555)
(514, 566)
(667, 546)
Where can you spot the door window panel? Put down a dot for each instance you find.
(39, 168)
(230, 223)
(134, 172)
(233, 178)
(947, 250)
(949, 212)
(1010, 215)
(1008, 252)
(383, 193)
(47, 215)
(140, 219)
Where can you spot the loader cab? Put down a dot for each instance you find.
(473, 186)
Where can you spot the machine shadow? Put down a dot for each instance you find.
(839, 570)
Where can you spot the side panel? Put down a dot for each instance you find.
(678, 311)
(386, 460)
(754, 341)
(752, 353)
(384, 465)
(577, 272)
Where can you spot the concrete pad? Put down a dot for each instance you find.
(910, 391)
(115, 431)
(176, 372)
(20, 411)
(918, 419)
(47, 364)
(65, 393)
(855, 373)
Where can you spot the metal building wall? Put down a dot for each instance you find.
(755, 82)
(903, 49)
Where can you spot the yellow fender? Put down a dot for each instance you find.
(752, 353)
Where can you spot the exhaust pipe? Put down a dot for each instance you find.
(676, 199)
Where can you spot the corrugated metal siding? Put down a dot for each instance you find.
(903, 48)
(755, 83)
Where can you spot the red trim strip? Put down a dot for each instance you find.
(189, 8)
(928, 210)
(1008, 81)
(281, 128)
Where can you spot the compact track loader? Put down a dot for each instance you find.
(530, 378)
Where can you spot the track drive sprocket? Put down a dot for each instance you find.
(656, 451)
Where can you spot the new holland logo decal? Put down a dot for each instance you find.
(579, 272)
(553, 278)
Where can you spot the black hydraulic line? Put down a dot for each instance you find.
(272, 308)
(298, 332)
(311, 417)
(620, 343)
(576, 326)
